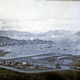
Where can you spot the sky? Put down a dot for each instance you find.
(39, 15)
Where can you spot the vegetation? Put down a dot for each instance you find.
(4, 61)
(77, 64)
(56, 75)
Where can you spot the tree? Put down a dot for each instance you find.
(10, 63)
(4, 62)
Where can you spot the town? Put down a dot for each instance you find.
(30, 64)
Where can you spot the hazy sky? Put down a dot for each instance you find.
(35, 15)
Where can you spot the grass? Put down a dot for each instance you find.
(55, 75)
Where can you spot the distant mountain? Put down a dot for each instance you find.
(57, 33)
(78, 33)
(27, 35)
(13, 33)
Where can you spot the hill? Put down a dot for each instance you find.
(78, 33)
(56, 33)
(55, 75)
(13, 33)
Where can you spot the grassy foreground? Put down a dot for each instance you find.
(56, 75)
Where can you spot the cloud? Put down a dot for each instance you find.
(27, 10)
(39, 15)
(42, 26)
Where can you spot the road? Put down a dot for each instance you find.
(38, 71)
